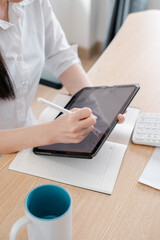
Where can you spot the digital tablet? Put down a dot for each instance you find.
(106, 102)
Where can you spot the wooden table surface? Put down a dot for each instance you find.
(133, 210)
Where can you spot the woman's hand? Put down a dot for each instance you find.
(72, 128)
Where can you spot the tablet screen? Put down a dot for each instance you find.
(106, 103)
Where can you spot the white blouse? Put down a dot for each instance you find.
(32, 37)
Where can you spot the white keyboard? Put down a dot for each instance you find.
(147, 129)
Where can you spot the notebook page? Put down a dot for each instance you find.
(98, 174)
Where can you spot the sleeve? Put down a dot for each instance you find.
(59, 55)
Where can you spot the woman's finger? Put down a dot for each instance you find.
(82, 113)
(121, 118)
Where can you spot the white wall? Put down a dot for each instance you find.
(99, 13)
(102, 16)
(62, 10)
(154, 4)
(74, 16)
(83, 21)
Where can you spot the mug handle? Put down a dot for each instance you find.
(17, 226)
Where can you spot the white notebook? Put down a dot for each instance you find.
(98, 174)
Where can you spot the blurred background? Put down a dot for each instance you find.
(92, 24)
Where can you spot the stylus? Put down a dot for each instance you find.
(53, 105)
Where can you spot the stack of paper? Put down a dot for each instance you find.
(98, 174)
(151, 174)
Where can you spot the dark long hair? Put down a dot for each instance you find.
(6, 86)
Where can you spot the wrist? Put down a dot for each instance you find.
(47, 134)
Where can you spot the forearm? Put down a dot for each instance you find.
(20, 138)
(75, 79)
(67, 128)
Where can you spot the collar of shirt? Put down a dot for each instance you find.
(16, 9)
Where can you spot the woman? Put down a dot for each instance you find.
(29, 36)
